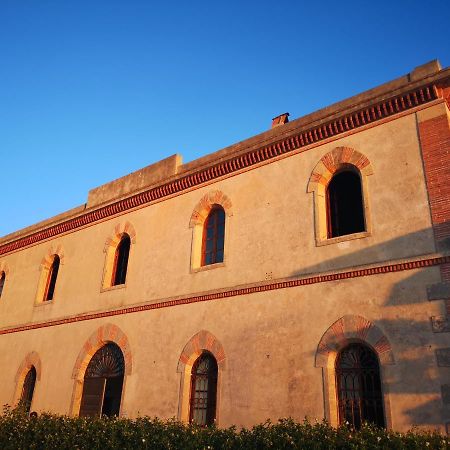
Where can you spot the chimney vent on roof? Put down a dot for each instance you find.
(280, 120)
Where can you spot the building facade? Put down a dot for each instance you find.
(302, 272)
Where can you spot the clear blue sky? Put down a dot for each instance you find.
(93, 90)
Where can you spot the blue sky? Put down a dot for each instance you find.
(93, 90)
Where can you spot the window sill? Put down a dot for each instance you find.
(113, 288)
(207, 267)
(347, 237)
(44, 303)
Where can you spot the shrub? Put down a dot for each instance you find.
(49, 431)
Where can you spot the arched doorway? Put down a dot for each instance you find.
(203, 390)
(358, 385)
(103, 380)
(28, 389)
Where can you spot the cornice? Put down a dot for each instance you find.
(284, 145)
(240, 291)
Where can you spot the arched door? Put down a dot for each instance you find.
(103, 380)
(28, 389)
(203, 390)
(358, 385)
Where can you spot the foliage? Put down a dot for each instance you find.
(49, 431)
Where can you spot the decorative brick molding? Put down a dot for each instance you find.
(198, 343)
(333, 161)
(305, 137)
(350, 329)
(31, 360)
(203, 207)
(47, 260)
(119, 230)
(228, 293)
(106, 333)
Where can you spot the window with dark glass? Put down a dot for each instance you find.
(121, 261)
(203, 390)
(103, 381)
(28, 389)
(2, 282)
(358, 386)
(213, 236)
(51, 279)
(345, 211)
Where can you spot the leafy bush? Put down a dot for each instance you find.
(49, 431)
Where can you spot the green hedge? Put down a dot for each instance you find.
(48, 431)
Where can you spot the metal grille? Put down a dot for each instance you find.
(28, 389)
(359, 386)
(203, 390)
(213, 236)
(107, 362)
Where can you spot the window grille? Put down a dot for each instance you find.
(345, 211)
(203, 390)
(358, 386)
(213, 236)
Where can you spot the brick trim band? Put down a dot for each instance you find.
(357, 119)
(263, 287)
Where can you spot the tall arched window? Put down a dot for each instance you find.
(203, 390)
(2, 282)
(213, 236)
(51, 279)
(103, 380)
(28, 389)
(345, 211)
(121, 261)
(358, 386)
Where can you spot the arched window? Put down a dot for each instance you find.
(28, 389)
(203, 390)
(121, 261)
(103, 380)
(345, 211)
(2, 282)
(358, 386)
(213, 236)
(51, 279)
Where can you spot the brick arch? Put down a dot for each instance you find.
(330, 163)
(119, 230)
(4, 268)
(204, 206)
(53, 250)
(349, 329)
(31, 360)
(106, 333)
(203, 340)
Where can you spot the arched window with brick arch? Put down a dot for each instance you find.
(358, 385)
(203, 399)
(345, 209)
(29, 383)
(341, 200)
(2, 282)
(121, 261)
(103, 381)
(213, 236)
(210, 223)
(51, 279)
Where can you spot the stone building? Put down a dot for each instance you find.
(302, 272)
